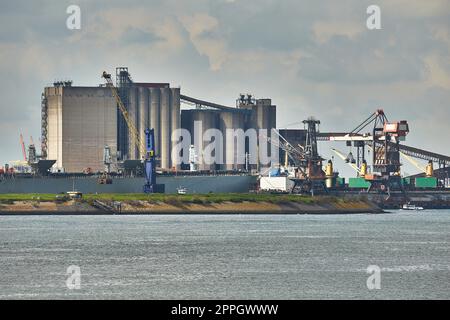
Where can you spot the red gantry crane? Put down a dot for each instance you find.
(22, 144)
(384, 140)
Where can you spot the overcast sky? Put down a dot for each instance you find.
(310, 57)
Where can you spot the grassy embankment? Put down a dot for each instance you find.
(179, 199)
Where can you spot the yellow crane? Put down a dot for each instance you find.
(134, 133)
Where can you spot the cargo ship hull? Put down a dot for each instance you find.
(89, 184)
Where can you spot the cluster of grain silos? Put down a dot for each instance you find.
(233, 155)
(157, 106)
(80, 122)
(263, 117)
(200, 120)
(256, 114)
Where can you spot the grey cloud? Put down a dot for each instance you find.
(271, 25)
(351, 61)
(137, 36)
(33, 20)
(395, 53)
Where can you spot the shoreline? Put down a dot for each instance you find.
(188, 213)
(190, 205)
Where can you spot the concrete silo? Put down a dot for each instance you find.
(234, 154)
(165, 131)
(133, 111)
(263, 117)
(199, 121)
(81, 122)
(154, 114)
(175, 119)
(143, 114)
(163, 115)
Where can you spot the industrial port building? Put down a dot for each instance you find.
(79, 122)
(151, 105)
(249, 114)
(83, 128)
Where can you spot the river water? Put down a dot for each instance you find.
(226, 256)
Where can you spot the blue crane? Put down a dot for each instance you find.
(149, 161)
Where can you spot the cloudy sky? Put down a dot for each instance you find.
(311, 57)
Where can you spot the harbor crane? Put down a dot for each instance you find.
(134, 133)
(149, 162)
(343, 157)
(147, 148)
(307, 160)
(384, 140)
(296, 154)
(313, 177)
(22, 144)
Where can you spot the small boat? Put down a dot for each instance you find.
(182, 190)
(74, 194)
(408, 206)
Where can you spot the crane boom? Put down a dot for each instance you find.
(410, 159)
(134, 133)
(22, 144)
(413, 162)
(343, 157)
(293, 153)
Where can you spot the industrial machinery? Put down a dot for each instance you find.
(147, 149)
(134, 134)
(309, 174)
(343, 157)
(245, 99)
(193, 159)
(22, 144)
(384, 140)
(313, 177)
(330, 175)
(429, 171)
(386, 136)
(32, 161)
(107, 160)
(32, 153)
(296, 154)
(149, 162)
(313, 162)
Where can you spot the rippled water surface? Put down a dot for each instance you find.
(226, 257)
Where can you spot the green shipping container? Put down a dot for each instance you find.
(358, 183)
(406, 181)
(340, 181)
(426, 182)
